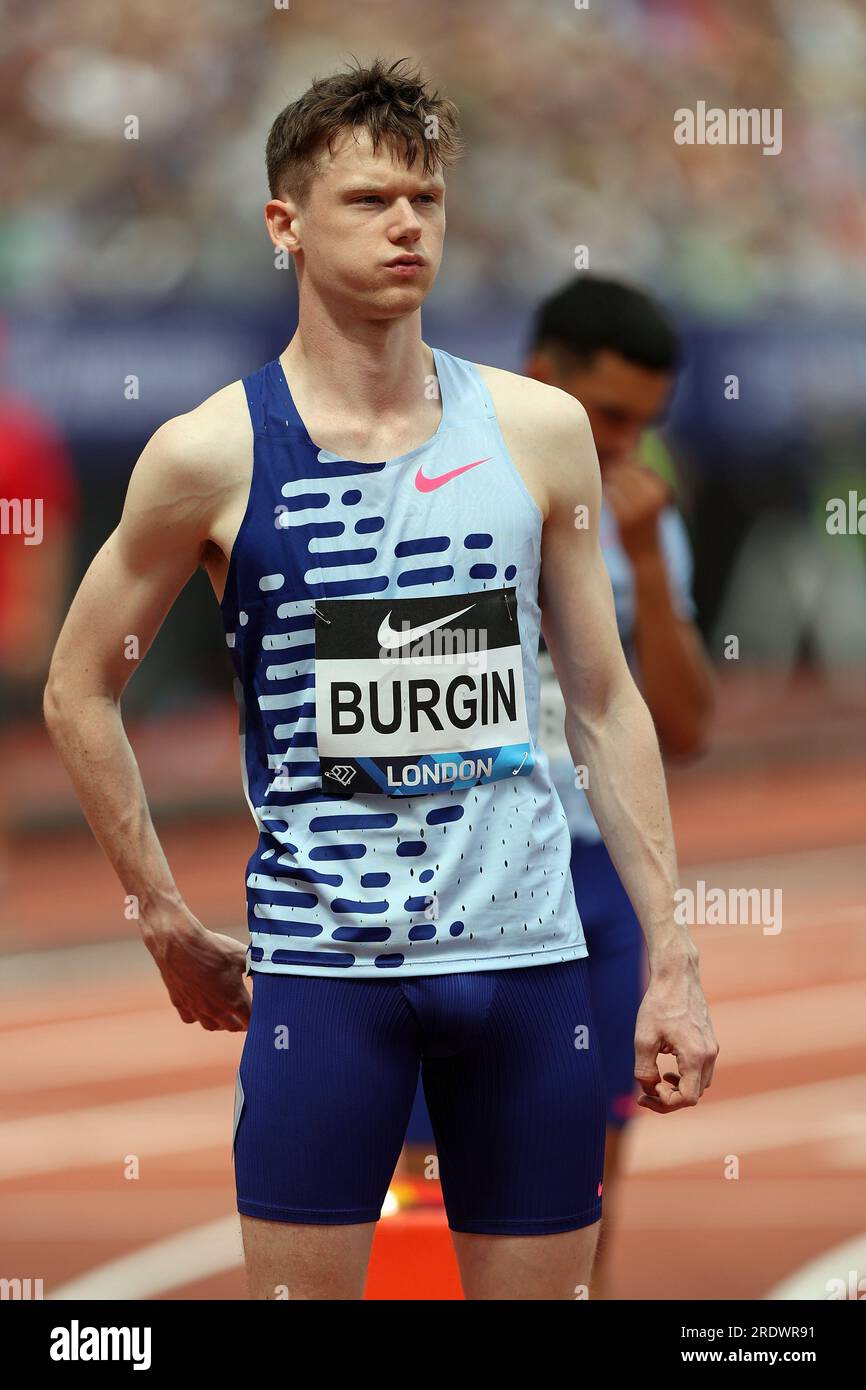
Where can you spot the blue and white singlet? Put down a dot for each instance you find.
(383, 623)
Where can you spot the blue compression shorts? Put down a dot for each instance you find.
(617, 976)
(616, 980)
(511, 1072)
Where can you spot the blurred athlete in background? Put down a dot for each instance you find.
(613, 348)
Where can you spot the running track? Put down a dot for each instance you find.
(97, 1066)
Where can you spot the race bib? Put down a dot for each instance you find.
(420, 695)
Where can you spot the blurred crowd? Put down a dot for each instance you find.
(568, 115)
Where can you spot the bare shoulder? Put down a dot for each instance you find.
(512, 389)
(194, 473)
(208, 443)
(547, 432)
(190, 484)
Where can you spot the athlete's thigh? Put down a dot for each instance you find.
(286, 1260)
(527, 1267)
(519, 1114)
(324, 1090)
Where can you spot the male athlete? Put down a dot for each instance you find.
(386, 526)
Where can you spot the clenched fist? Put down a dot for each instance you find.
(637, 496)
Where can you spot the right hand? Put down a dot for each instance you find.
(203, 973)
(637, 496)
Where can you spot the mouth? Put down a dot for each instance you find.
(405, 262)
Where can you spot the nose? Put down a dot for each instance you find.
(407, 220)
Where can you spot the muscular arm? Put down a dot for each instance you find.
(609, 730)
(114, 618)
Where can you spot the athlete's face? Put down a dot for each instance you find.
(621, 398)
(366, 210)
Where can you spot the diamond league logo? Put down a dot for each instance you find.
(342, 773)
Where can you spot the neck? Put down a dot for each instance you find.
(368, 369)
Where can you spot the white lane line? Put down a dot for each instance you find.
(216, 1247)
(140, 1042)
(757, 1123)
(850, 1151)
(837, 1274)
(819, 1113)
(818, 919)
(105, 1211)
(687, 1204)
(166, 1264)
(802, 858)
(185, 1122)
(191, 1121)
(791, 1023)
(66, 963)
(58, 966)
(787, 1023)
(703, 1206)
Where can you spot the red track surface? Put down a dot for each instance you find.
(97, 1066)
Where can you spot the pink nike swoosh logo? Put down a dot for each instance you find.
(425, 484)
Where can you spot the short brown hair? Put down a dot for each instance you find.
(393, 104)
